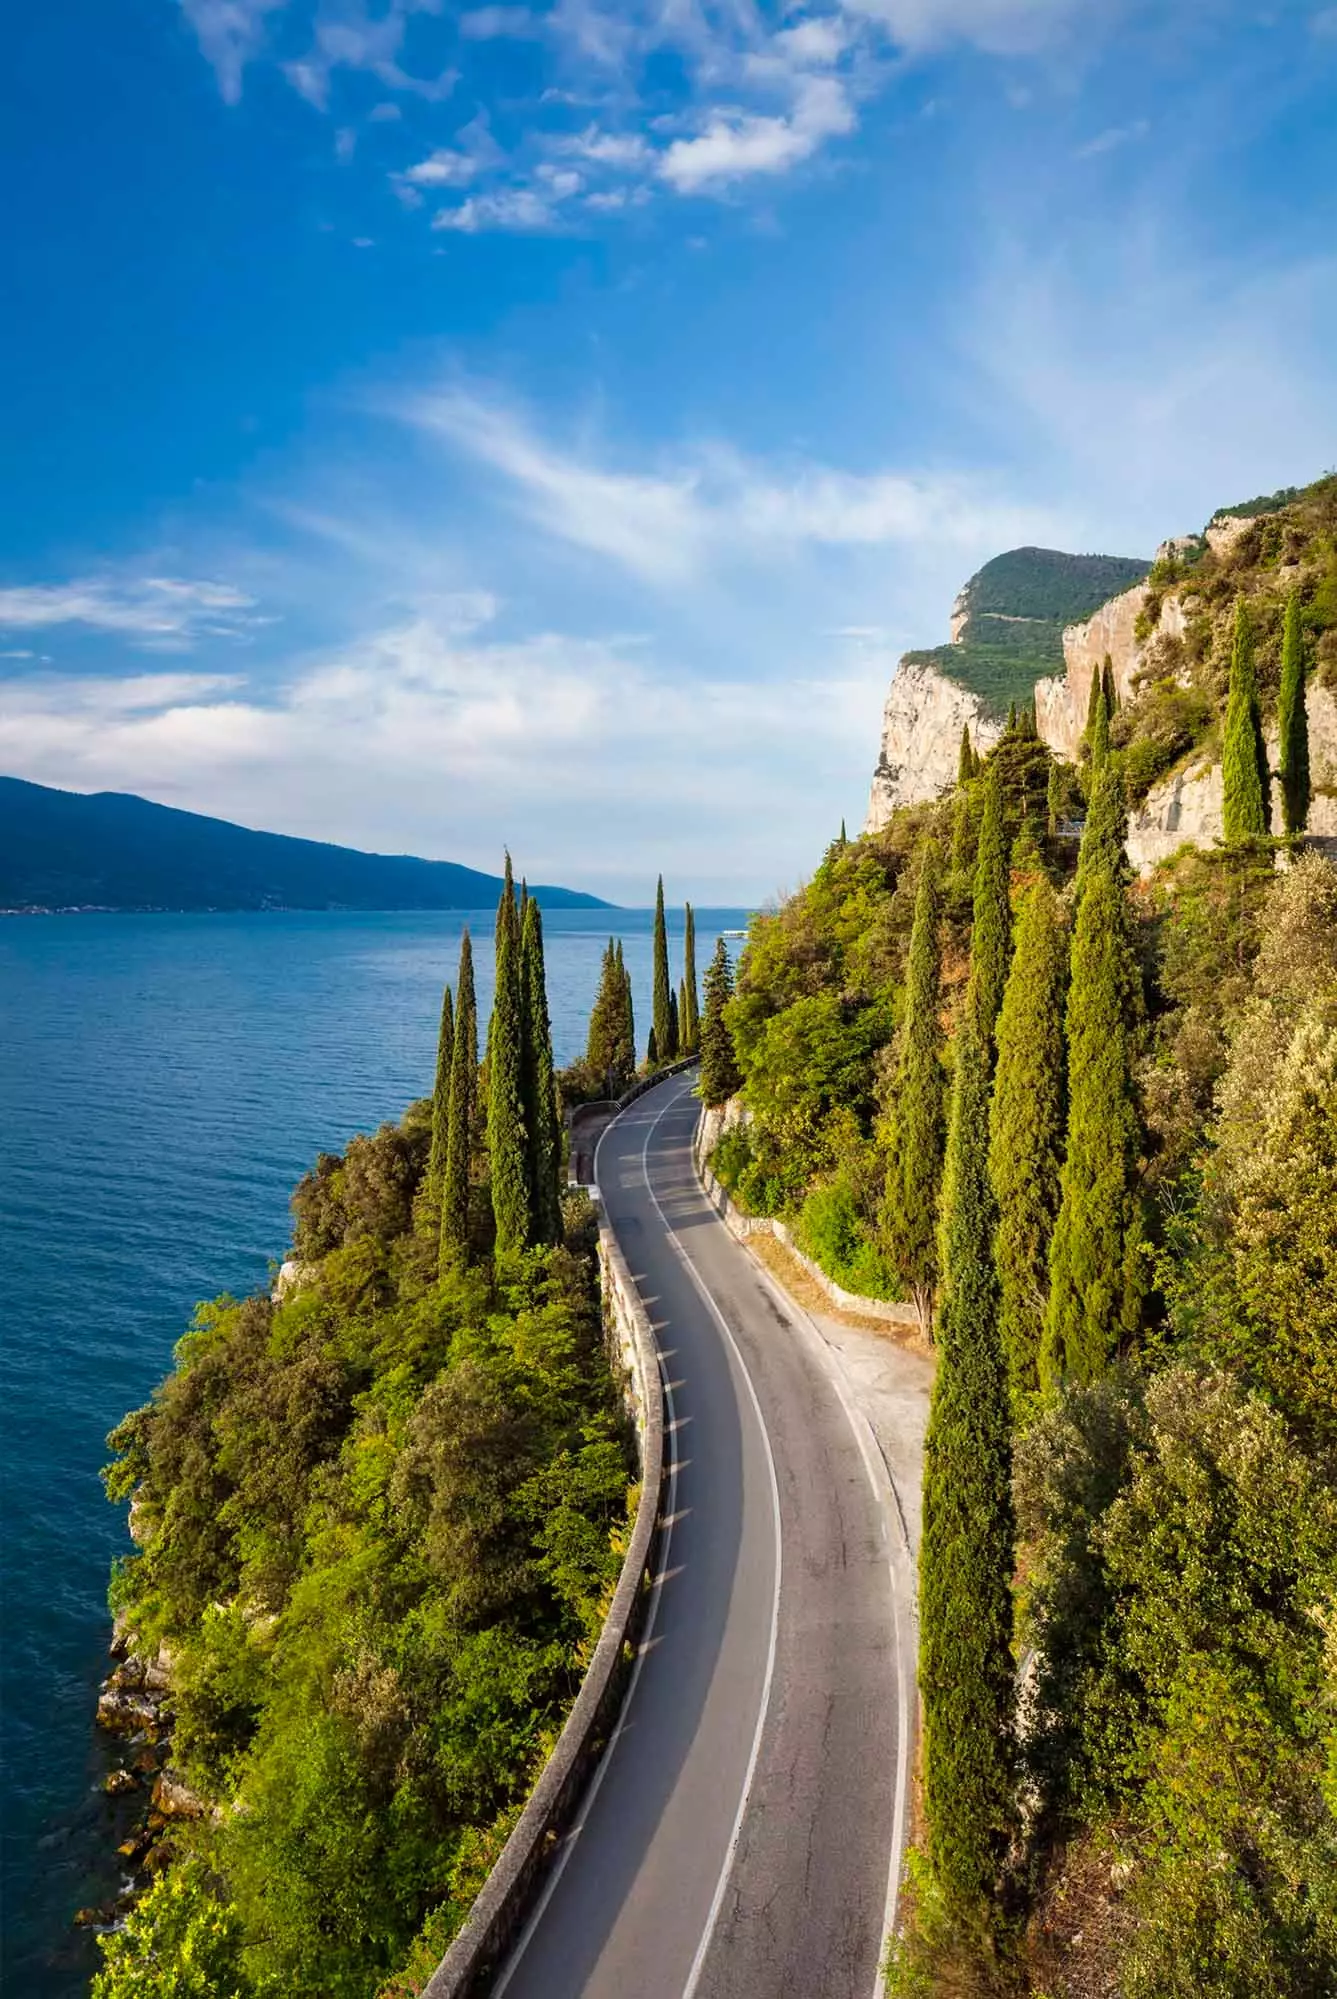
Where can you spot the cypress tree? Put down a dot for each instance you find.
(626, 1046)
(1026, 1134)
(1293, 723)
(965, 830)
(1096, 1279)
(1100, 733)
(844, 842)
(663, 990)
(1092, 704)
(720, 1074)
(1243, 762)
(914, 1171)
(605, 1020)
(459, 1138)
(652, 1050)
(445, 1044)
(691, 1013)
(674, 1041)
(966, 1672)
(543, 1127)
(1053, 801)
(965, 762)
(991, 934)
(1106, 827)
(512, 1202)
(1108, 689)
(1011, 728)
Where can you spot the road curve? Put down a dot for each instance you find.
(737, 1836)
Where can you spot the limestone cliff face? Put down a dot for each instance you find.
(921, 739)
(1061, 703)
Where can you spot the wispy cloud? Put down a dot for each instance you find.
(162, 613)
(735, 145)
(1112, 138)
(231, 34)
(715, 504)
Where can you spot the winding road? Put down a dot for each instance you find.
(737, 1839)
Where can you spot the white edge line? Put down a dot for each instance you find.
(874, 1462)
(731, 1851)
(668, 1511)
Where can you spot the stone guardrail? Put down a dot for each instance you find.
(605, 1109)
(741, 1226)
(507, 1896)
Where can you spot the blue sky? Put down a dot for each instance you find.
(429, 427)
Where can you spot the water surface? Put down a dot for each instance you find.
(164, 1081)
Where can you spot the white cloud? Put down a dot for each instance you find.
(737, 144)
(443, 168)
(231, 33)
(522, 209)
(1115, 136)
(716, 505)
(999, 27)
(487, 24)
(415, 739)
(161, 612)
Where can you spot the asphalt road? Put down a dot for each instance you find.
(737, 1838)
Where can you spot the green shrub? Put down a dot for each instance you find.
(834, 1230)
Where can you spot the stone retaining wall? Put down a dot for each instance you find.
(742, 1226)
(509, 1893)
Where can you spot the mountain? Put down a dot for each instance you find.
(111, 850)
(1007, 632)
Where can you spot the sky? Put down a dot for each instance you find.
(436, 428)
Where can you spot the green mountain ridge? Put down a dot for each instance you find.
(112, 850)
(1013, 612)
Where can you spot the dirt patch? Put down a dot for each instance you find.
(804, 1289)
(1081, 1925)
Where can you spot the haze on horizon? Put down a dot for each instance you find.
(431, 428)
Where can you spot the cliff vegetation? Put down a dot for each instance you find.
(379, 1515)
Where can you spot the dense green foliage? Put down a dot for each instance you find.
(610, 1049)
(378, 1517)
(1027, 1134)
(1293, 723)
(965, 1561)
(1244, 809)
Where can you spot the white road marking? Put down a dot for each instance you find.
(731, 1851)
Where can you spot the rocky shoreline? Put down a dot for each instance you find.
(134, 1706)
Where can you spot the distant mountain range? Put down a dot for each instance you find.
(111, 850)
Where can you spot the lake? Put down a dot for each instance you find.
(165, 1082)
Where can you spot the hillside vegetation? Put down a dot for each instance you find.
(379, 1517)
(1015, 609)
(1089, 1127)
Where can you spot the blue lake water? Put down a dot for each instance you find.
(164, 1082)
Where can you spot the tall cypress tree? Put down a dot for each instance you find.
(1293, 723)
(1092, 704)
(1096, 1276)
(674, 1043)
(1244, 782)
(1105, 830)
(1100, 732)
(662, 1014)
(914, 1170)
(1053, 800)
(445, 1044)
(965, 762)
(991, 934)
(1026, 1130)
(720, 1074)
(508, 1150)
(1108, 689)
(627, 1043)
(459, 1137)
(691, 1011)
(1011, 727)
(543, 1127)
(966, 1671)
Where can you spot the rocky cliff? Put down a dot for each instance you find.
(921, 739)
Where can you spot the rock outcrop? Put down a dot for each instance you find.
(921, 739)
